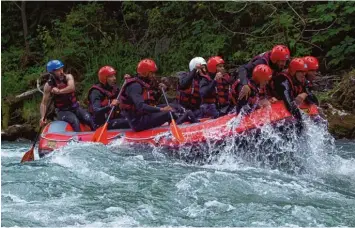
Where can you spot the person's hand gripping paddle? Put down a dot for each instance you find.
(100, 134)
(173, 126)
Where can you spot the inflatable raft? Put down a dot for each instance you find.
(58, 133)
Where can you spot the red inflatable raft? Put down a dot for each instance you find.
(58, 133)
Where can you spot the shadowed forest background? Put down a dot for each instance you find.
(88, 35)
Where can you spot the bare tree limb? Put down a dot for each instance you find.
(26, 94)
(264, 30)
(303, 21)
(39, 86)
(307, 42)
(240, 33)
(235, 12)
(317, 30)
(301, 34)
(17, 5)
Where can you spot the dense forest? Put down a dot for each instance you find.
(87, 35)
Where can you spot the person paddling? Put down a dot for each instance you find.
(138, 104)
(102, 97)
(62, 87)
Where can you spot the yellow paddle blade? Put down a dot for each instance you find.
(28, 156)
(100, 135)
(177, 133)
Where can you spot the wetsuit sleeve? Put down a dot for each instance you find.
(134, 92)
(185, 82)
(206, 86)
(311, 98)
(246, 71)
(95, 101)
(286, 96)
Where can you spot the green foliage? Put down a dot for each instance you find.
(5, 115)
(30, 109)
(92, 34)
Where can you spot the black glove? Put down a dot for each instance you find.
(295, 111)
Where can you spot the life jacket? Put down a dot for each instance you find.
(224, 88)
(190, 97)
(211, 98)
(309, 84)
(127, 105)
(255, 93)
(62, 101)
(271, 88)
(295, 89)
(106, 99)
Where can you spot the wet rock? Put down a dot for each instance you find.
(17, 131)
(344, 93)
(341, 123)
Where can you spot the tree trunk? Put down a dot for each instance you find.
(25, 33)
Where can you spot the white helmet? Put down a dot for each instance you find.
(195, 61)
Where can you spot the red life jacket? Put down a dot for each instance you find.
(190, 97)
(62, 101)
(224, 88)
(255, 92)
(212, 97)
(127, 105)
(106, 100)
(295, 89)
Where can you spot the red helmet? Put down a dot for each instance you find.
(104, 72)
(297, 64)
(262, 73)
(213, 62)
(279, 53)
(312, 62)
(145, 66)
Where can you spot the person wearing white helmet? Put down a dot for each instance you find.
(188, 86)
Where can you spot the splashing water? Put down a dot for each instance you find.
(120, 185)
(272, 145)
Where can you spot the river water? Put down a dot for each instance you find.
(118, 185)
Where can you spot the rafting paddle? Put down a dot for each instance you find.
(29, 155)
(174, 128)
(100, 134)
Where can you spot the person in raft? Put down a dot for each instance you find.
(224, 81)
(62, 87)
(291, 86)
(276, 59)
(261, 76)
(208, 87)
(138, 105)
(188, 89)
(102, 97)
(311, 75)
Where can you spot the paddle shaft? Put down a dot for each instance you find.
(45, 116)
(174, 129)
(167, 102)
(118, 97)
(29, 155)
